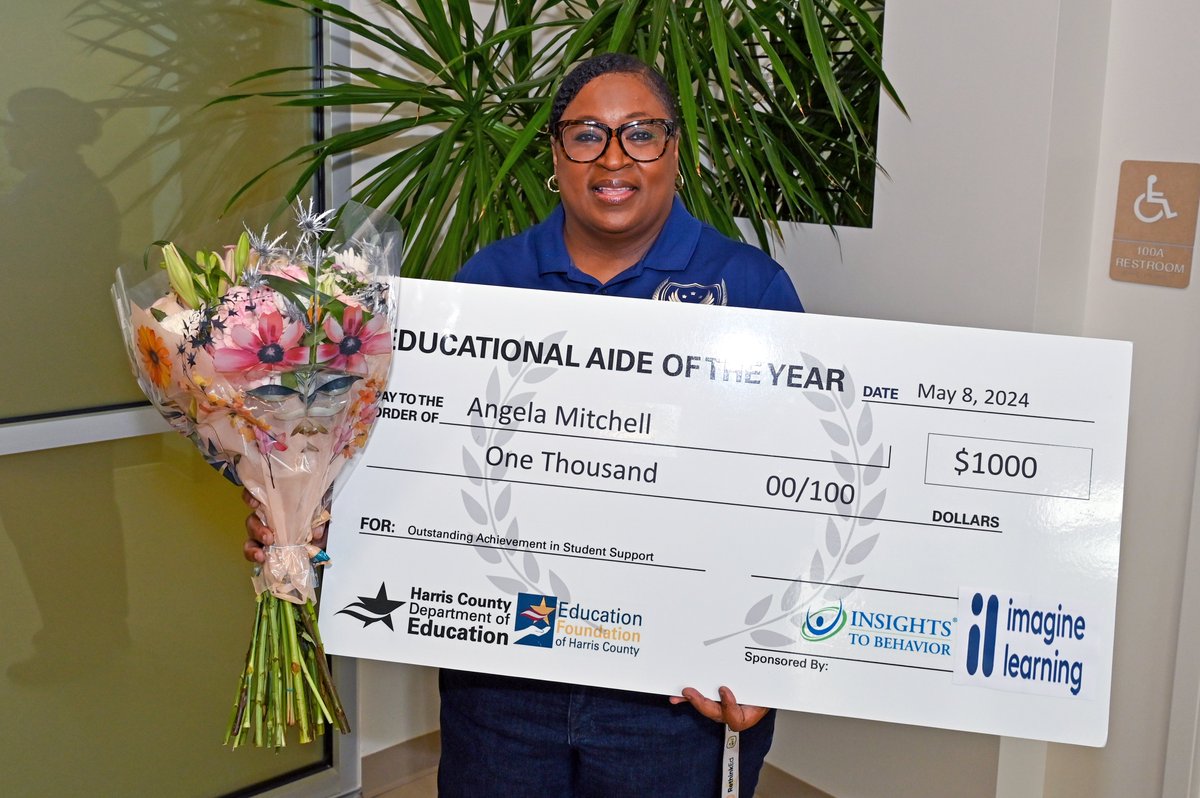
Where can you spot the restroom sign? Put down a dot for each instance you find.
(1154, 234)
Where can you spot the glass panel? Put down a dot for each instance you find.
(126, 607)
(126, 610)
(105, 146)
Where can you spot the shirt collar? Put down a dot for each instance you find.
(670, 252)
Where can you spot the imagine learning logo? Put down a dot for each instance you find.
(824, 623)
(1046, 645)
(981, 644)
(533, 624)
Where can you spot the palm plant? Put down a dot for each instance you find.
(778, 102)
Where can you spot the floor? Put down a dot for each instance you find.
(425, 786)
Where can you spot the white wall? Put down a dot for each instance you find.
(999, 213)
(957, 223)
(1150, 113)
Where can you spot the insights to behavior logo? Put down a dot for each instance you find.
(824, 623)
(533, 624)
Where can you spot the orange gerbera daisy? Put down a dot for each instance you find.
(155, 358)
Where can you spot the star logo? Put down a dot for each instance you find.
(377, 608)
(539, 613)
(532, 623)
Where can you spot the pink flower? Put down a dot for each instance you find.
(268, 442)
(270, 348)
(281, 267)
(352, 339)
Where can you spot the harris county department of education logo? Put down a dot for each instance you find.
(372, 609)
(533, 624)
(824, 623)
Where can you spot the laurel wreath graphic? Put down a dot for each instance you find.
(522, 571)
(776, 618)
(773, 620)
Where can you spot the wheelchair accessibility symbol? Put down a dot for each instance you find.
(1154, 229)
(1156, 201)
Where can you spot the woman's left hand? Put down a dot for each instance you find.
(737, 717)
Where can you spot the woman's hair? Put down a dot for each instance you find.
(588, 70)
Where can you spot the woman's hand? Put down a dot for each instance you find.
(737, 717)
(259, 535)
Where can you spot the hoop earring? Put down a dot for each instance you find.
(679, 181)
(552, 184)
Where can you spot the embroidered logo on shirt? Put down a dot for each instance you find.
(695, 293)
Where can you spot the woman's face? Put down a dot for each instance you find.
(615, 195)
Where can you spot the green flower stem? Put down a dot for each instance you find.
(240, 718)
(309, 615)
(260, 682)
(297, 706)
(299, 690)
(286, 681)
(272, 697)
(278, 721)
(314, 693)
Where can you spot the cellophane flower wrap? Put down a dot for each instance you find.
(271, 357)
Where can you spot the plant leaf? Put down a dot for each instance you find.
(859, 551)
(836, 433)
(510, 586)
(473, 508)
(488, 554)
(771, 639)
(759, 610)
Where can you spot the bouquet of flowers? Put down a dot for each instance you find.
(271, 359)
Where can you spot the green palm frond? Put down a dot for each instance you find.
(778, 101)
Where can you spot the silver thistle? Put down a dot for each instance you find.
(263, 246)
(311, 223)
(375, 254)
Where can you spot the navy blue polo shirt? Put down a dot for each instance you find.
(688, 262)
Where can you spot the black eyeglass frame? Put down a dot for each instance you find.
(610, 133)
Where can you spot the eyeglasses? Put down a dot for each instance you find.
(643, 140)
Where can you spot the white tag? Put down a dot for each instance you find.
(729, 764)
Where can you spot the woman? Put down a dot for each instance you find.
(620, 230)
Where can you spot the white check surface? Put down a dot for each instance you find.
(883, 520)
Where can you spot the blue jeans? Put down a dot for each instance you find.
(520, 738)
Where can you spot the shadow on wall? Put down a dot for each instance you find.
(61, 233)
(60, 229)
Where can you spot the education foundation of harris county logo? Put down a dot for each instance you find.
(534, 624)
(545, 622)
(1024, 644)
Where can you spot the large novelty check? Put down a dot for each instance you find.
(875, 519)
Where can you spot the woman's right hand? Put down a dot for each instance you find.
(258, 534)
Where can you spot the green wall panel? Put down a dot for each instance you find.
(125, 612)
